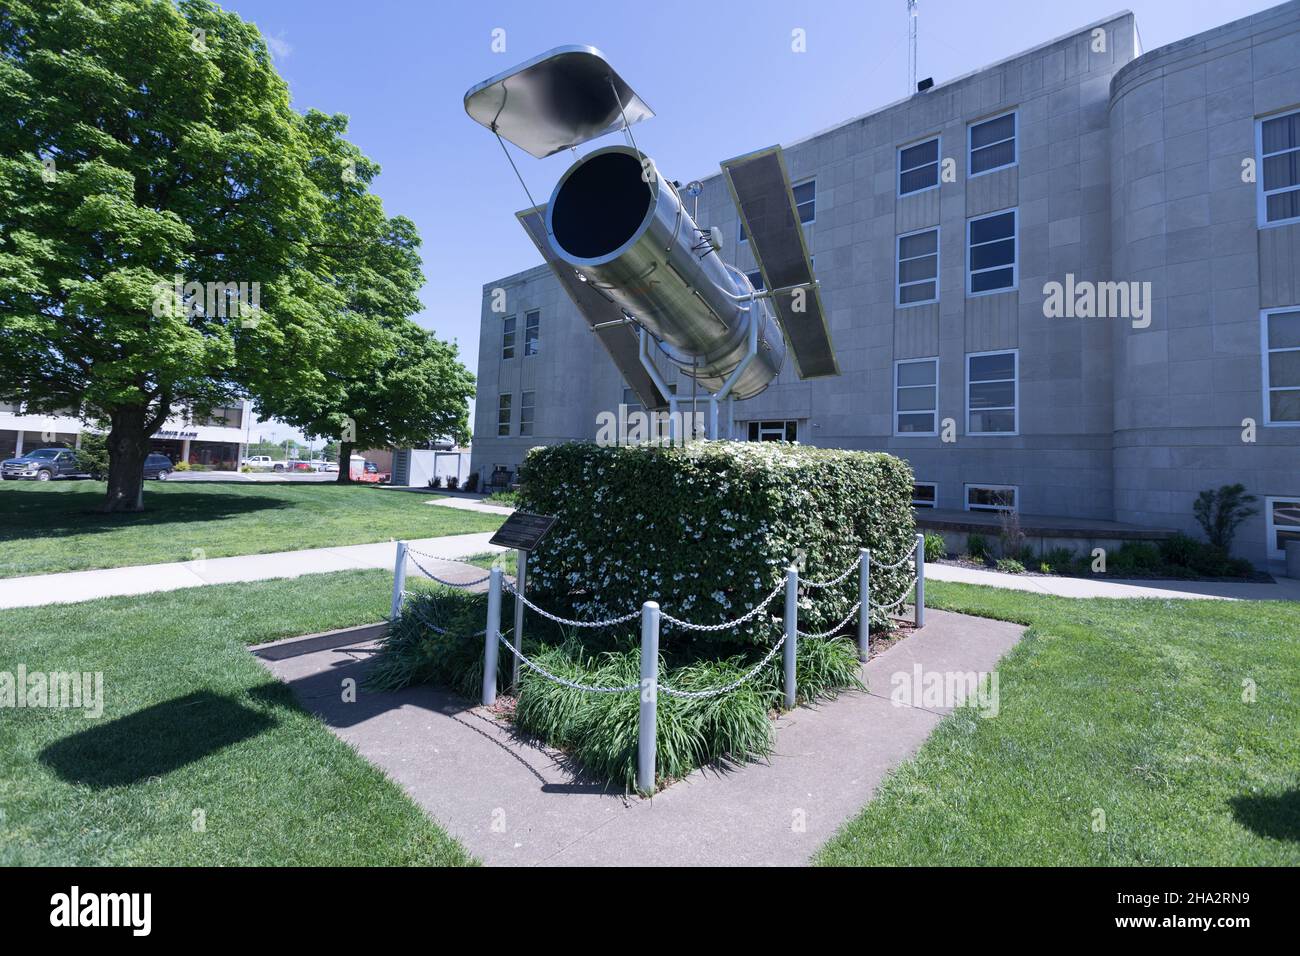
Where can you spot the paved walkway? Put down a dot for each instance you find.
(471, 504)
(1283, 589)
(72, 586)
(512, 802)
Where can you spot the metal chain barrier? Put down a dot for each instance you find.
(830, 584)
(725, 688)
(834, 630)
(562, 620)
(434, 627)
(429, 574)
(688, 626)
(532, 665)
(903, 597)
(897, 564)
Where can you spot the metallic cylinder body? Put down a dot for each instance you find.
(864, 607)
(399, 580)
(791, 648)
(491, 635)
(919, 607)
(624, 228)
(521, 585)
(648, 717)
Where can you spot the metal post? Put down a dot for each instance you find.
(864, 609)
(399, 580)
(490, 638)
(791, 633)
(919, 607)
(645, 754)
(521, 579)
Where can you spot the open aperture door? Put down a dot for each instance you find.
(607, 321)
(760, 188)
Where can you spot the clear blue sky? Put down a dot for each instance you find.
(721, 77)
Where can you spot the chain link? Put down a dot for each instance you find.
(561, 620)
(725, 688)
(901, 598)
(897, 564)
(451, 584)
(834, 630)
(830, 584)
(725, 625)
(532, 665)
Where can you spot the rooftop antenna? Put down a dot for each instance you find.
(911, 47)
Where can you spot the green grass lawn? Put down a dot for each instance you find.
(53, 526)
(1133, 708)
(193, 722)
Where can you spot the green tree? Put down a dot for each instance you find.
(1220, 512)
(142, 141)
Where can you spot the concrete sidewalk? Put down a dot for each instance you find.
(72, 586)
(513, 802)
(1282, 589)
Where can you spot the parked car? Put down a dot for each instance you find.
(329, 466)
(264, 462)
(43, 464)
(157, 465)
(370, 472)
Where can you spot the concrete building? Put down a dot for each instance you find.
(217, 442)
(1066, 284)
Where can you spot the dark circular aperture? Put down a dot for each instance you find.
(600, 206)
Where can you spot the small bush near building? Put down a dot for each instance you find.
(1220, 512)
(935, 548)
(1010, 566)
(708, 530)
(977, 547)
(92, 455)
(471, 481)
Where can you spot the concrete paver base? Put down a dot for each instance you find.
(1281, 589)
(512, 802)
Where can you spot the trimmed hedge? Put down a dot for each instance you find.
(708, 530)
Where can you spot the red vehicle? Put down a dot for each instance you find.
(368, 471)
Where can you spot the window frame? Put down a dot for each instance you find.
(1015, 380)
(898, 267)
(917, 361)
(531, 409)
(1261, 196)
(1015, 261)
(990, 509)
(509, 337)
(532, 332)
(1266, 385)
(1015, 143)
(931, 505)
(938, 166)
(1270, 528)
(505, 404)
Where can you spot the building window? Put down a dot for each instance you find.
(1278, 140)
(532, 332)
(805, 205)
(925, 494)
(1282, 518)
(1281, 341)
(526, 405)
(918, 167)
(503, 415)
(917, 273)
(774, 431)
(991, 399)
(916, 397)
(756, 280)
(508, 337)
(991, 253)
(993, 144)
(991, 498)
(805, 201)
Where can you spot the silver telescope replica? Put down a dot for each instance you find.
(647, 278)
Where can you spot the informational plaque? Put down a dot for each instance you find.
(523, 531)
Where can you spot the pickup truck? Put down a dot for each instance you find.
(264, 462)
(43, 464)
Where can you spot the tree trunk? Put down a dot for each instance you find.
(128, 444)
(345, 463)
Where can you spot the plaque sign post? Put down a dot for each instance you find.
(523, 532)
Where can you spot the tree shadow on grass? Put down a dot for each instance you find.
(154, 741)
(47, 514)
(1270, 815)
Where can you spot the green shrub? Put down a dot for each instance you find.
(92, 456)
(935, 549)
(1220, 512)
(1010, 566)
(977, 546)
(1184, 554)
(412, 652)
(1134, 556)
(707, 530)
(181, 466)
(1060, 560)
(509, 499)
